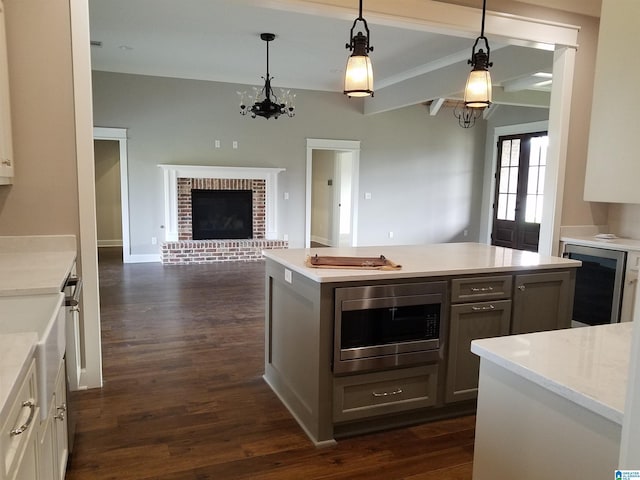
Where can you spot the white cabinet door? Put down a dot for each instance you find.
(6, 148)
(613, 165)
(60, 421)
(52, 448)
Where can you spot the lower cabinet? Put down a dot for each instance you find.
(542, 301)
(52, 445)
(469, 322)
(379, 393)
(19, 439)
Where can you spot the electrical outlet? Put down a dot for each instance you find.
(390, 234)
(465, 232)
(154, 240)
(287, 276)
(285, 237)
(367, 196)
(286, 195)
(235, 144)
(217, 143)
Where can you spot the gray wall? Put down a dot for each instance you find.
(424, 173)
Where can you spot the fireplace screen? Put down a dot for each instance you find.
(221, 214)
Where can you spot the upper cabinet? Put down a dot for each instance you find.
(613, 163)
(6, 148)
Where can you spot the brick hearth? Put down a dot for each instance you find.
(185, 250)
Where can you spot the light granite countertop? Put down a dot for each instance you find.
(34, 265)
(419, 261)
(588, 366)
(17, 351)
(618, 243)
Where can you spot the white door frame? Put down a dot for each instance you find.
(120, 135)
(352, 146)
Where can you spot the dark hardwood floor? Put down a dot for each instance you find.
(183, 396)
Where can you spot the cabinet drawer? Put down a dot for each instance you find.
(371, 394)
(19, 425)
(474, 289)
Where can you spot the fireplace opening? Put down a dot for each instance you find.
(221, 214)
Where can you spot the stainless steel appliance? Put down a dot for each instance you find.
(599, 281)
(385, 326)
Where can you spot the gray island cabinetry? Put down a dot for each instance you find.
(350, 351)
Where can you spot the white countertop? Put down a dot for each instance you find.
(587, 366)
(624, 244)
(17, 350)
(35, 265)
(419, 261)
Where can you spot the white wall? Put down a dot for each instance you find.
(424, 173)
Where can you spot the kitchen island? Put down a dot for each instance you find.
(551, 404)
(480, 291)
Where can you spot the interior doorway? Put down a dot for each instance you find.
(108, 203)
(331, 192)
(109, 193)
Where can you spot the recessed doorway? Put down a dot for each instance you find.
(332, 193)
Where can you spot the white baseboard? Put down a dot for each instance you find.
(322, 240)
(110, 243)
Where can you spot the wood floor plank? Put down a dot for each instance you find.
(184, 398)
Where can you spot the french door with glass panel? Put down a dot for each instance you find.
(517, 209)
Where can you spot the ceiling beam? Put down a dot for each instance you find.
(440, 17)
(448, 82)
(435, 106)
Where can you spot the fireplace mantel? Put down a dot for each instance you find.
(173, 172)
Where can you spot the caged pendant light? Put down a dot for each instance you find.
(358, 79)
(265, 101)
(477, 93)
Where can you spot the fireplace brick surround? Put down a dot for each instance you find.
(184, 250)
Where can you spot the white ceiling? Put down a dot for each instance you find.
(219, 40)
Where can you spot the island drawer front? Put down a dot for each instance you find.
(20, 424)
(474, 289)
(379, 393)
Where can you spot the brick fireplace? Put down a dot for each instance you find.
(179, 246)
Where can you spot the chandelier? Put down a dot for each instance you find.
(466, 116)
(477, 93)
(265, 102)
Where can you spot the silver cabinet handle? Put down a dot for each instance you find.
(521, 288)
(61, 411)
(387, 394)
(481, 289)
(21, 429)
(480, 309)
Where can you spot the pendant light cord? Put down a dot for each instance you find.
(484, 9)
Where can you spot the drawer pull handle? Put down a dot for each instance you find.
(480, 309)
(23, 428)
(387, 394)
(6, 162)
(481, 289)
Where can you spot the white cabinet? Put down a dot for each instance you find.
(19, 439)
(52, 445)
(613, 167)
(6, 146)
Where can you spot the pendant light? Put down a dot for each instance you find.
(265, 102)
(358, 79)
(477, 93)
